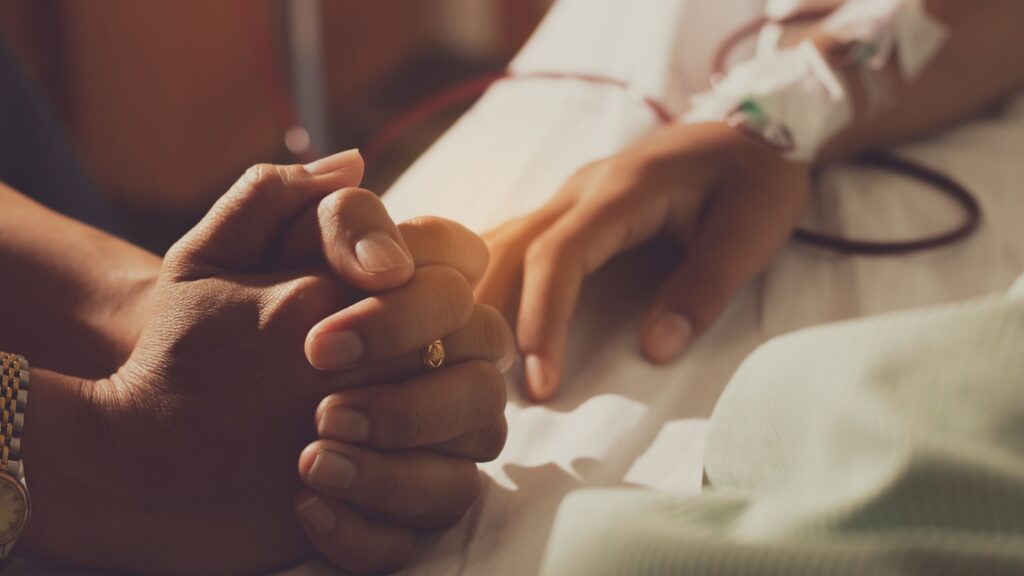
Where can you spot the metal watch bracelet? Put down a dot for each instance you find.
(14, 383)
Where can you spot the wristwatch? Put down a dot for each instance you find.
(15, 505)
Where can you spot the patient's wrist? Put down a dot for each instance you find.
(699, 153)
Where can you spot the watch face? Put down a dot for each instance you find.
(13, 509)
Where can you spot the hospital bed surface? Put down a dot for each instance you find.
(620, 421)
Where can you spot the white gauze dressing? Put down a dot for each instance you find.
(793, 100)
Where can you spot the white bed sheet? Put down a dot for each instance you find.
(619, 420)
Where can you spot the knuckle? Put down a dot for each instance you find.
(558, 253)
(444, 278)
(319, 445)
(303, 288)
(546, 250)
(329, 206)
(436, 227)
(436, 231)
(385, 485)
(539, 251)
(260, 179)
(464, 490)
(309, 454)
(446, 237)
(621, 164)
(615, 200)
(306, 300)
(177, 256)
(589, 171)
(326, 404)
(492, 440)
(342, 200)
(345, 213)
(402, 428)
(493, 332)
(489, 400)
(330, 215)
(361, 400)
(451, 294)
(465, 485)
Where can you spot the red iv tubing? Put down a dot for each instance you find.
(885, 161)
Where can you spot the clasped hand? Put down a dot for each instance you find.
(287, 327)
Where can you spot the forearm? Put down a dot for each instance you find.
(73, 295)
(981, 64)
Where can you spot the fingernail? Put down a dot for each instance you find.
(378, 252)
(332, 163)
(538, 381)
(335, 350)
(318, 514)
(669, 336)
(332, 471)
(344, 424)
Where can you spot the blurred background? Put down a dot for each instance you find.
(168, 101)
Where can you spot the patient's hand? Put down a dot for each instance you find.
(399, 455)
(728, 203)
(184, 461)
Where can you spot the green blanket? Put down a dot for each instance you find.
(888, 445)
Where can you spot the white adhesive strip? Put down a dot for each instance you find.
(794, 101)
(901, 26)
(791, 98)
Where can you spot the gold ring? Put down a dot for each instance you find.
(433, 355)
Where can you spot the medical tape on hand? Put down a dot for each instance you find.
(873, 33)
(877, 30)
(790, 100)
(794, 101)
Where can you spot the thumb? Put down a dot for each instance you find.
(361, 243)
(741, 233)
(687, 305)
(240, 231)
